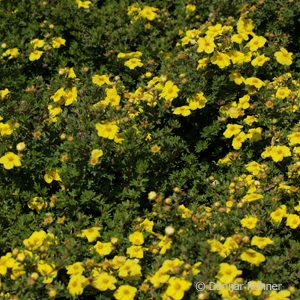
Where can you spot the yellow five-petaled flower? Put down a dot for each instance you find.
(10, 160)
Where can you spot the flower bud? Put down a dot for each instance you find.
(169, 230)
(168, 200)
(114, 240)
(21, 146)
(216, 204)
(245, 239)
(203, 295)
(177, 190)
(34, 275)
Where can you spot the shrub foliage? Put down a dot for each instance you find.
(147, 147)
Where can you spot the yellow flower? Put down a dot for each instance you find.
(148, 225)
(245, 26)
(216, 246)
(206, 44)
(232, 129)
(254, 134)
(230, 244)
(261, 242)
(249, 222)
(247, 56)
(10, 160)
(283, 92)
(136, 238)
(148, 12)
(182, 110)
(125, 292)
(170, 91)
(96, 153)
(100, 80)
(130, 269)
(3, 93)
(35, 240)
(177, 287)
(118, 261)
(284, 57)
(54, 110)
(57, 42)
(279, 152)
(252, 197)
(37, 203)
(252, 257)
(169, 265)
(256, 42)
(75, 269)
(253, 81)
(12, 53)
(112, 97)
(6, 262)
(103, 248)
(133, 63)
(51, 239)
(91, 233)
(228, 273)
(296, 150)
(203, 62)
(108, 130)
(83, 4)
(17, 270)
(236, 77)
(130, 55)
(104, 281)
(297, 208)
(185, 212)
(239, 38)
(244, 102)
(159, 277)
(249, 120)
(214, 30)
(118, 138)
(52, 293)
(294, 138)
(165, 244)
(76, 285)
(71, 73)
(37, 43)
(232, 110)
(278, 214)
(222, 60)
(47, 271)
(70, 95)
(237, 57)
(293, 221)
(255, 287)
(52, 175)
(135, 252)
(58, 95)
(238, 140)
(259, 60)
(190, 7)
(282, 295)
(197, 101)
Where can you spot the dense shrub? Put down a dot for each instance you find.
(146, 147)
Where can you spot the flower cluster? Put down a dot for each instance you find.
(132, 170)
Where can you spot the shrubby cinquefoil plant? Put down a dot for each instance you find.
(146, 147)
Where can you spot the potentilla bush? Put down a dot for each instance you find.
(148, 147)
